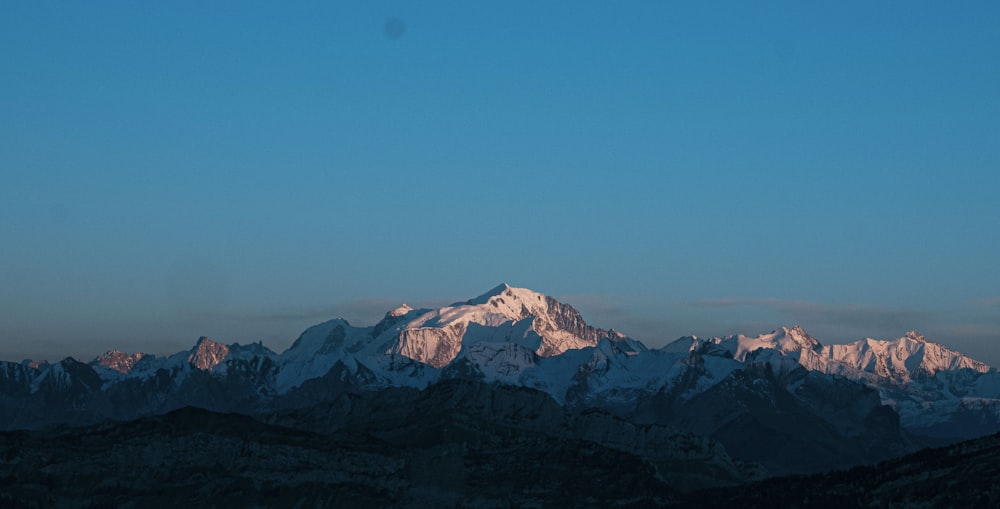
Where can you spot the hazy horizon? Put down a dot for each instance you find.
(831, 325)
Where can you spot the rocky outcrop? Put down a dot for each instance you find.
(118, 361)
(207, 354)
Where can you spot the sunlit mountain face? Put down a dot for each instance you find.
(507, 369)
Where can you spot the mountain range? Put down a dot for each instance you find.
(774, 403)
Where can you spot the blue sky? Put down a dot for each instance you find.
(244, 170)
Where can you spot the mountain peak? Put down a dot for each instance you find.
(516, 303)
(504, 314)
(496, 291)
(118, 360)
(400, 311)
(207, 354)
(33, 364)
(800, 337)
(500, 288)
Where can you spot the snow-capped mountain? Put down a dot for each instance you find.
(411, 346)
(902, 360)
(937, 391)
(820, 406)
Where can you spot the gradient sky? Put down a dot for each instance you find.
(243, 170)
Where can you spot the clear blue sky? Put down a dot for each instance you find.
(245, 169)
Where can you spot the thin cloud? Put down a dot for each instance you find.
(369, 311)
(767, 302)
(846, 318)
(361, 312)
(607, 312)
(977, 331)
(603, 305)
(988, 302)
(256, 317)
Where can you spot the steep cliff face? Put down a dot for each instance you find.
(118, 361)
(16, 378)
(208, 354)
